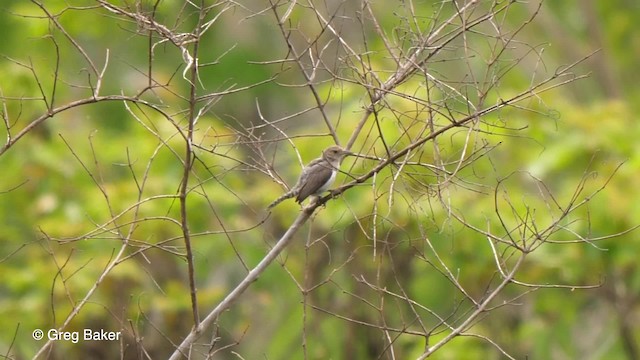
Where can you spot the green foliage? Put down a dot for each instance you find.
(78, 184)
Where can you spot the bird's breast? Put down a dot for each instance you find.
(327, 184)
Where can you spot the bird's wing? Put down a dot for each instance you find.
(319, 174)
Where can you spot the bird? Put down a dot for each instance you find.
(316, 177)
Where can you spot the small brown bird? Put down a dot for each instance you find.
(317, 176)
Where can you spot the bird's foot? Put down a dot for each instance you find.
(334, 193)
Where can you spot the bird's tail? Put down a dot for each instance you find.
(282, 198)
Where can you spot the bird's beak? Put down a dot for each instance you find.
(350, 153)
(346, 153)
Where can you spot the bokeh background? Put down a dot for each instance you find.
(82, 167)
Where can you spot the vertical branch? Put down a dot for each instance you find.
(188, 164)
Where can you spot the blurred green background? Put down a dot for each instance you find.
(76, 171)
